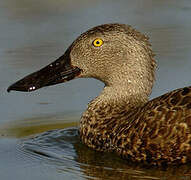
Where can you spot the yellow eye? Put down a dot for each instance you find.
(97, 42)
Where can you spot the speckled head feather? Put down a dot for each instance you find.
(124, 58)
(115, 29)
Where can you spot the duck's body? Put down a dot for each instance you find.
(156, 132)
(122, 119)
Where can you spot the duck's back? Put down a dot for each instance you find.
(160, 131)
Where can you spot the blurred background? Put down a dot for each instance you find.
(34, 33)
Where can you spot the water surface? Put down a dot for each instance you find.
(39, 136)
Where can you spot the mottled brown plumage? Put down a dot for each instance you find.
(157, 132)
(122, 119)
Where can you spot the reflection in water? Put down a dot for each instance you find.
(30, 126)
(63, 150)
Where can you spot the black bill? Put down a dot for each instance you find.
(59, 71)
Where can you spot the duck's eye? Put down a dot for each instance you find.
(97, 42)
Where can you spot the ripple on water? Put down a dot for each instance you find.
(62, 150)
(53, 144)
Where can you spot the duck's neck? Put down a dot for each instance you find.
(121, 96)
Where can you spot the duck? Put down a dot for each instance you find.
(122, 119)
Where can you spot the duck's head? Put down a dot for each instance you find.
(112, 53)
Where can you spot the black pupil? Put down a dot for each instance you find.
(97, 42)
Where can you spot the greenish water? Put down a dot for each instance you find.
(38, 131)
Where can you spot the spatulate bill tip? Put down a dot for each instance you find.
(20, 88)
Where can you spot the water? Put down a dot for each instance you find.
(33, 34)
